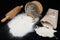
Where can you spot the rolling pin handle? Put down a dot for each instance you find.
(4, 19)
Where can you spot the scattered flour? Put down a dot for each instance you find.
(21, 25)
(45, 32)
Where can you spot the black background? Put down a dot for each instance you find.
(7, 5)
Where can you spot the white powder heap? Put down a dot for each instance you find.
(45, 32)
(21, 25)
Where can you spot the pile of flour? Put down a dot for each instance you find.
(20, 25)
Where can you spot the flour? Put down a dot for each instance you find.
(21, 25)
(45, 32)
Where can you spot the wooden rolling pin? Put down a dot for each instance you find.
(12, 13)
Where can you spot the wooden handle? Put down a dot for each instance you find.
(4, 19)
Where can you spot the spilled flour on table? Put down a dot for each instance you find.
(45, 32)
(21, 25)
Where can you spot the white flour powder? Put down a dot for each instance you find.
(21, 25)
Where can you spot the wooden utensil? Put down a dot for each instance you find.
(12, 13)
